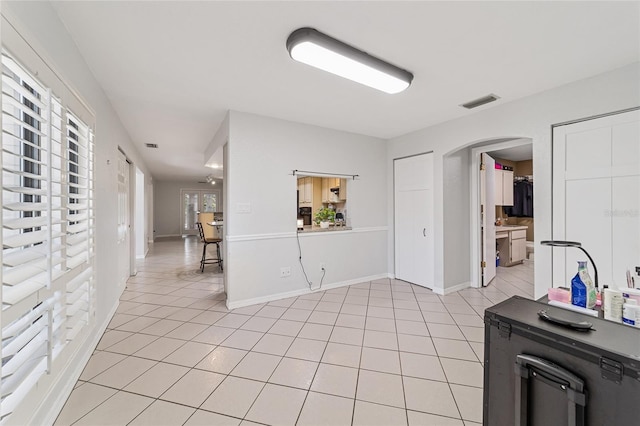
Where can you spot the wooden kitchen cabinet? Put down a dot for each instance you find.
(503, 187)
(343, 190)
(328, 184)
(325, 190)
(310, 192)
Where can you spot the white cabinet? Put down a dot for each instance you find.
(596, 187)
(504, 187)
(512, 244)
(518, 246)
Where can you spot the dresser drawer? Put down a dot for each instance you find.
(521, 233)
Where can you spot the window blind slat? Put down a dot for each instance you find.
(18, 274)
(12, 102)
(13, 295)
(23, 190)
(19, 385)
(25, 239)
(23, 256)
(9, 82)
(28, 351)
(25, 222)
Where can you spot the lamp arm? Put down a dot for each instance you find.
(595, 269)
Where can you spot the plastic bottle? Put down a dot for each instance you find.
(630, 313)
(612, 304)
(583, 292)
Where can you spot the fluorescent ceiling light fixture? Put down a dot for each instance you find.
(314, 48)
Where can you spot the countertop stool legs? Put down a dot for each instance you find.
(206, 241)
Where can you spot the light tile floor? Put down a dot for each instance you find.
(378, 353)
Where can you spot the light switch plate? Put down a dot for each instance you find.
(243, 208)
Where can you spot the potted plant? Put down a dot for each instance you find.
(324, 216)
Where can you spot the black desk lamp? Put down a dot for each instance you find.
(558, 243)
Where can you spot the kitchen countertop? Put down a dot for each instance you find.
(507, 228)
(311, 228)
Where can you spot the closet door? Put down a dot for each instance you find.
(413, 207)
(596, 196)
(124, 228)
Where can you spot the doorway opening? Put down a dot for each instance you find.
(192, 203)
(502, 208)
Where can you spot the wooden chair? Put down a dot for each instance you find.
(206, 241)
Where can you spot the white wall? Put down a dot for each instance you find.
(531, 117)
(166, 198)
(456, 200)
(39, 25)
(261, 155)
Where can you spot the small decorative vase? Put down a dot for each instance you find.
(324, 225)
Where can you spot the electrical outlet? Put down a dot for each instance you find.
(323, 267)
(285, 271)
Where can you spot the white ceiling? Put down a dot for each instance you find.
(516, 153)
(173, 68)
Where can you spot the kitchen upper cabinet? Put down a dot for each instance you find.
(343, 190)
(305, 191)
(325, 190)
(334, 183)
(503, 187)
(310, 192)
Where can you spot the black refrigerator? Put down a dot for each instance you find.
(540, 373)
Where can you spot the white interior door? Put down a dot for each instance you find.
(488, 213)
(413, 212)
(124, 229)
(596, 196)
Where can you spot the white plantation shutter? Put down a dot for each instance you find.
(47, 231)
(26, 225)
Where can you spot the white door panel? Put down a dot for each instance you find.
(404, 240)
(124, 230)
(414, 250)
(487, 179)
(596, 196)
(625, 227)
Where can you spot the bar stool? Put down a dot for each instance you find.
(206, 241)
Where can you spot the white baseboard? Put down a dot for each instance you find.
(453, 289)
(168, 235)
(300, 292)
(61, 391)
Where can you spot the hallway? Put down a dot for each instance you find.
(382, 352)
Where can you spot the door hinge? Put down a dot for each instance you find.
(483, 264)
(482, 166)
(504, 329)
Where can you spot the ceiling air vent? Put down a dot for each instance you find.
(151, 145)
(481, 101)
